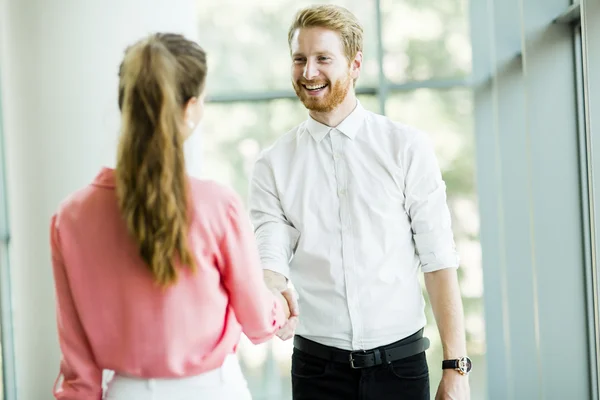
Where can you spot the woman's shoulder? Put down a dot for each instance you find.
(207, 193)
(211, 189)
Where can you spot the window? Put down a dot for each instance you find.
(425, 39)
(247, 42)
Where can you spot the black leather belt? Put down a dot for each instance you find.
(406, 347)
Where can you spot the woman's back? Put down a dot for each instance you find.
(113, 314)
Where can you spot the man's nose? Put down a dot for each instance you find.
(310, 71)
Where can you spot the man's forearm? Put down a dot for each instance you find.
(444, 294)
(275, 280)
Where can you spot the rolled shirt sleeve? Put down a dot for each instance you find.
(426, 205)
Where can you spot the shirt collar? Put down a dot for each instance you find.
(105, 178)
(349, 126)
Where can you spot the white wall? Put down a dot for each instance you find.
(59, 62)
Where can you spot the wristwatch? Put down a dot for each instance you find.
(463, 365)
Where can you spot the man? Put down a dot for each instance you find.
(350, 206)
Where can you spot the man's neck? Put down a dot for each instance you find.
(336, 116)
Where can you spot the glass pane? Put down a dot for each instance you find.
(234, 135)
(447, 117)
(247, 43)
(425, 39)
(369, 102)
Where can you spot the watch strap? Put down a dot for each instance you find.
(450, 364)
(462, 365)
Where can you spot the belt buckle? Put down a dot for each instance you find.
(352, 362)
(351, 359)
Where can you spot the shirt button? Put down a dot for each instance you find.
(342, 192)
(336, 156)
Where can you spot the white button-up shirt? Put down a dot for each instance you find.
(350, 214)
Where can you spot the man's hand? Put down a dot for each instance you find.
(453, 386)
(283, 300)
(287, 331)
(278, 282)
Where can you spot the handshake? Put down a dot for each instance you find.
(278, 285)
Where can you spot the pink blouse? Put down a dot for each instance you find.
(111, 315)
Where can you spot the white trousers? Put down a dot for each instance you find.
(224, 383)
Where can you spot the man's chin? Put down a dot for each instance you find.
(317, 106)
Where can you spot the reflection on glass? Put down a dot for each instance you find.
(234, 134)
(425, 39)
(247, 42)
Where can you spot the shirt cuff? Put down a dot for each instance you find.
(437, 261)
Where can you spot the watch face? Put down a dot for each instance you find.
(465, 365)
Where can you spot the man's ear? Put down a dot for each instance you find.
(356, 65)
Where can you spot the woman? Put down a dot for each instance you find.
(156, 273)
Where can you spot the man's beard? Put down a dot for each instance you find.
(335, 97)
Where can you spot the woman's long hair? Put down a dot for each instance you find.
(158, 76)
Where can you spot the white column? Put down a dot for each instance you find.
(59, 62)
(591, 52)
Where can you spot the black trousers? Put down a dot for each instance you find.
(318, 379)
